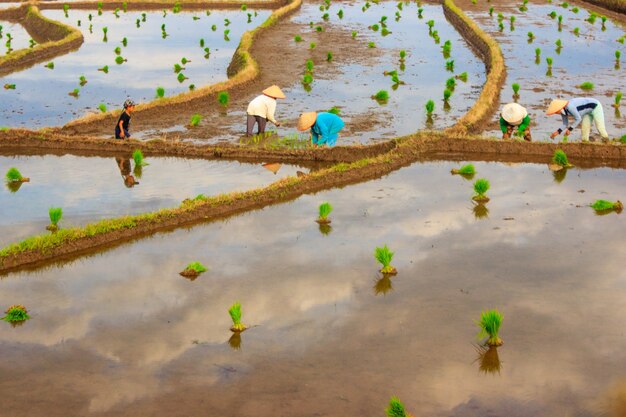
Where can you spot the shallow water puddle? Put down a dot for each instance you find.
(586, 57)
(121, 333)
(90, 188)
(150, 63)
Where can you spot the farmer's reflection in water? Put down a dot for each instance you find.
(124, 166)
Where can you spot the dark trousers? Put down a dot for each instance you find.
(118, 133)
(262, 121)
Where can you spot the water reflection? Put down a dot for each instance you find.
(325, 229)
(123, 165)
(488, 359)
(383, 285)
(235, 341)
(480, 210)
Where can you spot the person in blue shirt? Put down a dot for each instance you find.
(325, 127)
(583, 110)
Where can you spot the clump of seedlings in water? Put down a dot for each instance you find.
(559, 46)
(195, 120)
(193, 270)
(489, 324)
(384, 256)
(430, 108)
(74, 93)
(381, 97)
(160, 92)
(235, 315)
(138, 158)
(549, 62)
(16, 314)
(618, 99)
(491, 11)
(105, 30)
(560, 21)
(297, 38)
(82, 80)
(467, 171)
(451, 83)
(531, 37)
(512, 23)
(55, 214)
(9, 86)
(605, 206)
(102, 107)
(395, 408)
(312, 45)
(446, 97)
(446, 48)
(104, 69)
(329, 56)
(223, 98)
(50, 65)
(559, 161)
(618, 55)
(450, 65)
(324, 210)
(481, 186)
(462, 76)
(402, 55)
(119, 60)
(515, 87)
(13, 175)
(576, 31)
(586, 86)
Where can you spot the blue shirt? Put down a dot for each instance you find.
(326, 128)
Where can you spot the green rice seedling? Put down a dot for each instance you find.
(604, 19)
(564, 5)
(450, 84)
(50, 65)
(193, 270)
(104, 69)
(605, 206)
(138, 158)
(381, 97)
(481, 186)
(181, 77)
(531, 37)
(515, 87)
(489, 324)
(431, 24)
(552, 14)
(102, 107)
(195, 120)
(82, 80)
(297, 38)
(577, 31)
(335, 110)
(560, 20)
(395, 408)
(192, 87)
(512, 20)
(450, 65)
(549, 62)
(178, 68)
(430, 107)
(558, 44)
(125, 42)
(223, 98)
(500, 17)
(462, 76)
(117, 50)
(160, 92)
(16, 314)
(309, 65)
(491, 11)
(244, 7)
(201, 42)
(143, 17)
(501, 26)
(420, 10)
(465, 170)
(119, 60)
(375, 27)
(9, 86)
(618, 55)
(618, 99)
(592, 18)
(623, 139)
(340, 13)
(14, 175)
(560, 158)
(319, 29)
(235, 315)
(307, 79)
(384, 31)
(384, 256)
(312, 45)
(214, 28)
(371, 45)
(226, 32)
(74, 93)
(105, 30)
(575, 9)
(55, 214)
(32, 43)
(125, 6)
(446, 48)
(446, 95)
(402, 55)
(324, 210)
(354, 33)
(586, 86)
(325, 17)
(329, 56)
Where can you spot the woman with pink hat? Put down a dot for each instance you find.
(583, 110)
(514, 120)
(325, 127)
(262, 109)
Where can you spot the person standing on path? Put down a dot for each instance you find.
(583, 110)
(262, 109)
(325, 127)
(514, 121)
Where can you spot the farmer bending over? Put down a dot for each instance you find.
(262, 109)
(121, 128)
(324, 127)
(583, 110)
(514, 121)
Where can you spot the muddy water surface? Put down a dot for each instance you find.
(150, 63)
(588, 56)
(122, 334)
(90, 188)
(19, 37)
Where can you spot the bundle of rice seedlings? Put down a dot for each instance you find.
(104, 69)
(235, 315)
(462, 76)
(466, 170)
(181, 77)
(307, 79)
(605, 206)
(324, 210)
(559, 161)
(223, 98)
(395, 408)
(329, 56)
(50, 65)
(515, 87)
(430, 107)
(618, 99)
(138, 158)
(55, 214)
(489, 324)
(82, 80)
(481, 186)
(16, 313)
(74, 93)
(451, 83)
(297, 38)
(371, 45)
(178, 68)
(381, 96)
(586, 86)
(195, 120)
(402, 55)
(450, 65)
(384, 256)
(102, 107)
(334, 110)
(14, 175)
(119, 60)
(446, 95)
(160, 92)
(193, 270)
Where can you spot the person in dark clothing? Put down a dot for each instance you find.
(121, 128)
(124, 166)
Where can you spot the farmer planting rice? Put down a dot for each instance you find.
(324, 127)
(121, 128)
(514, 121)
(262, 109)
(583, 110)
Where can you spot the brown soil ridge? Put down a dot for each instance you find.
(424, 146)
(242, 69)
(162, 4)
(617, 6)
(490, 53)
(53, 39)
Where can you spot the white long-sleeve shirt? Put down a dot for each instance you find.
(577, 107)
(263, 106)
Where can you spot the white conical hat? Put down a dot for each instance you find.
(513, 113)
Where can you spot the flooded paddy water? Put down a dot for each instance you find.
(13, 36)
(120, 333)
(92, 188)
(587, 55)
(150, 56)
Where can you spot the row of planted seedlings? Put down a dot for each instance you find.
(551, 51)
(194, 49)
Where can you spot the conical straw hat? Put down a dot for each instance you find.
(274, 92)
(273, 167)
(513, 113)
(556, 106)
(306, 120)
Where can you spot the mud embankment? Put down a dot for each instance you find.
(161, 5)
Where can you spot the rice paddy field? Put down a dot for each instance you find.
(413, 270)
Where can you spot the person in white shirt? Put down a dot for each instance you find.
(262, 109)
